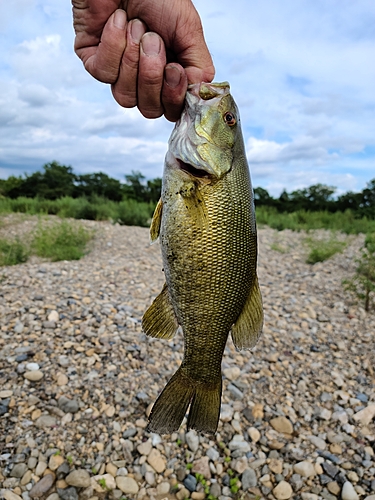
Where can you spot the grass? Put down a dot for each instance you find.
(126, 212)
(345, 222)
(61, 241)
(321, 250)
(12, 252)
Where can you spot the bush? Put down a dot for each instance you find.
(134, 213)
(61, 241)
(12, 252)
(363, 282)
(321, 250)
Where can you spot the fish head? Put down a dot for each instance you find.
(203, 139)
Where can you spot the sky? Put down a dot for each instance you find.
(302, 74)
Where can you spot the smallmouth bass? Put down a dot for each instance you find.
(205, 220)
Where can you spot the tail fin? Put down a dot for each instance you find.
(171, 406)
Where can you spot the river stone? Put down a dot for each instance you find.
(283, 491)
(9, 495)
(156, 460)
(248, 479)
(79, 478)
(34, 375)
(127, 485)
(192, 440)
(366, 415)
(18, 470)
(41, 487)
(45, 421)
(304, 469)
(68, 405)
(282, 424)
(348, 492)
(68, 493)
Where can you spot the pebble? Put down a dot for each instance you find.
(9, 495)
(156, 460)
(190, 482)
(127, 485)
(79, 478)
(42, 487)
(34, 375)
(282, 424)
(282, 491)
(348, 492)
(192, 440)
(101, 376)
(304, 469)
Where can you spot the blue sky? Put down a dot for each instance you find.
(302, 73)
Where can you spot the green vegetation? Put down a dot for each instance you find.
(61, 241)
(55, 241)
(12, 252)
(69, 459)
(323, 249)
(345, 222)
(363, 282)
(103, 483)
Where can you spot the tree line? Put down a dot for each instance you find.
(55, 181)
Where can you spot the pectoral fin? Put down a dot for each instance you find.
(156, 222)
(194, 203)
(159, 320)
(248, 327)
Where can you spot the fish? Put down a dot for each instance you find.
(205, 222)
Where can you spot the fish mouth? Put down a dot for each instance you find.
(190, 169)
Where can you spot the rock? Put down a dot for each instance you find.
(317, 442)
(348, 492)
(192, 440)
(79, 478)
(34, 376)
(55, 461)
(365, 416)
(163, 488)
(62, 380)
(9, 495)
(68, 405)
(283, 491)
(213, 454)
(202, 466)
(127, 485)
(108, 480)
(18, 470)
(190, 482)
(53, 316)
(309, 496)
(257, 411)
(226, 413)
(330, 469)
(248, 479)
(232, 373)
(45, 421)
(156, 460)
(41, 487)
(282, 424)
(235, 391)
(305, 469)
(32, 367)
(145, 448)
(67, 493)
(254, 434)
(333, 488)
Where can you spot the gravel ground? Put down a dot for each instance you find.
(78, 378)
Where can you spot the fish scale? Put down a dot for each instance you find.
(206, 224)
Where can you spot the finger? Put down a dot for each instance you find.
(125, 88)
(174, 91)
(152, 61)
(103, 61)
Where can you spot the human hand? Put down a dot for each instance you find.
(149, 69)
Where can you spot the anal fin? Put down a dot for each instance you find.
(159, 320)
(248, 327)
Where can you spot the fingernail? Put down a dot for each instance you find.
(119, 19)
(137, 30)
(151, 44)
(172, 76)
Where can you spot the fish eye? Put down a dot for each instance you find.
(230, 119)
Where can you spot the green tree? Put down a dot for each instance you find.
(98, 184)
